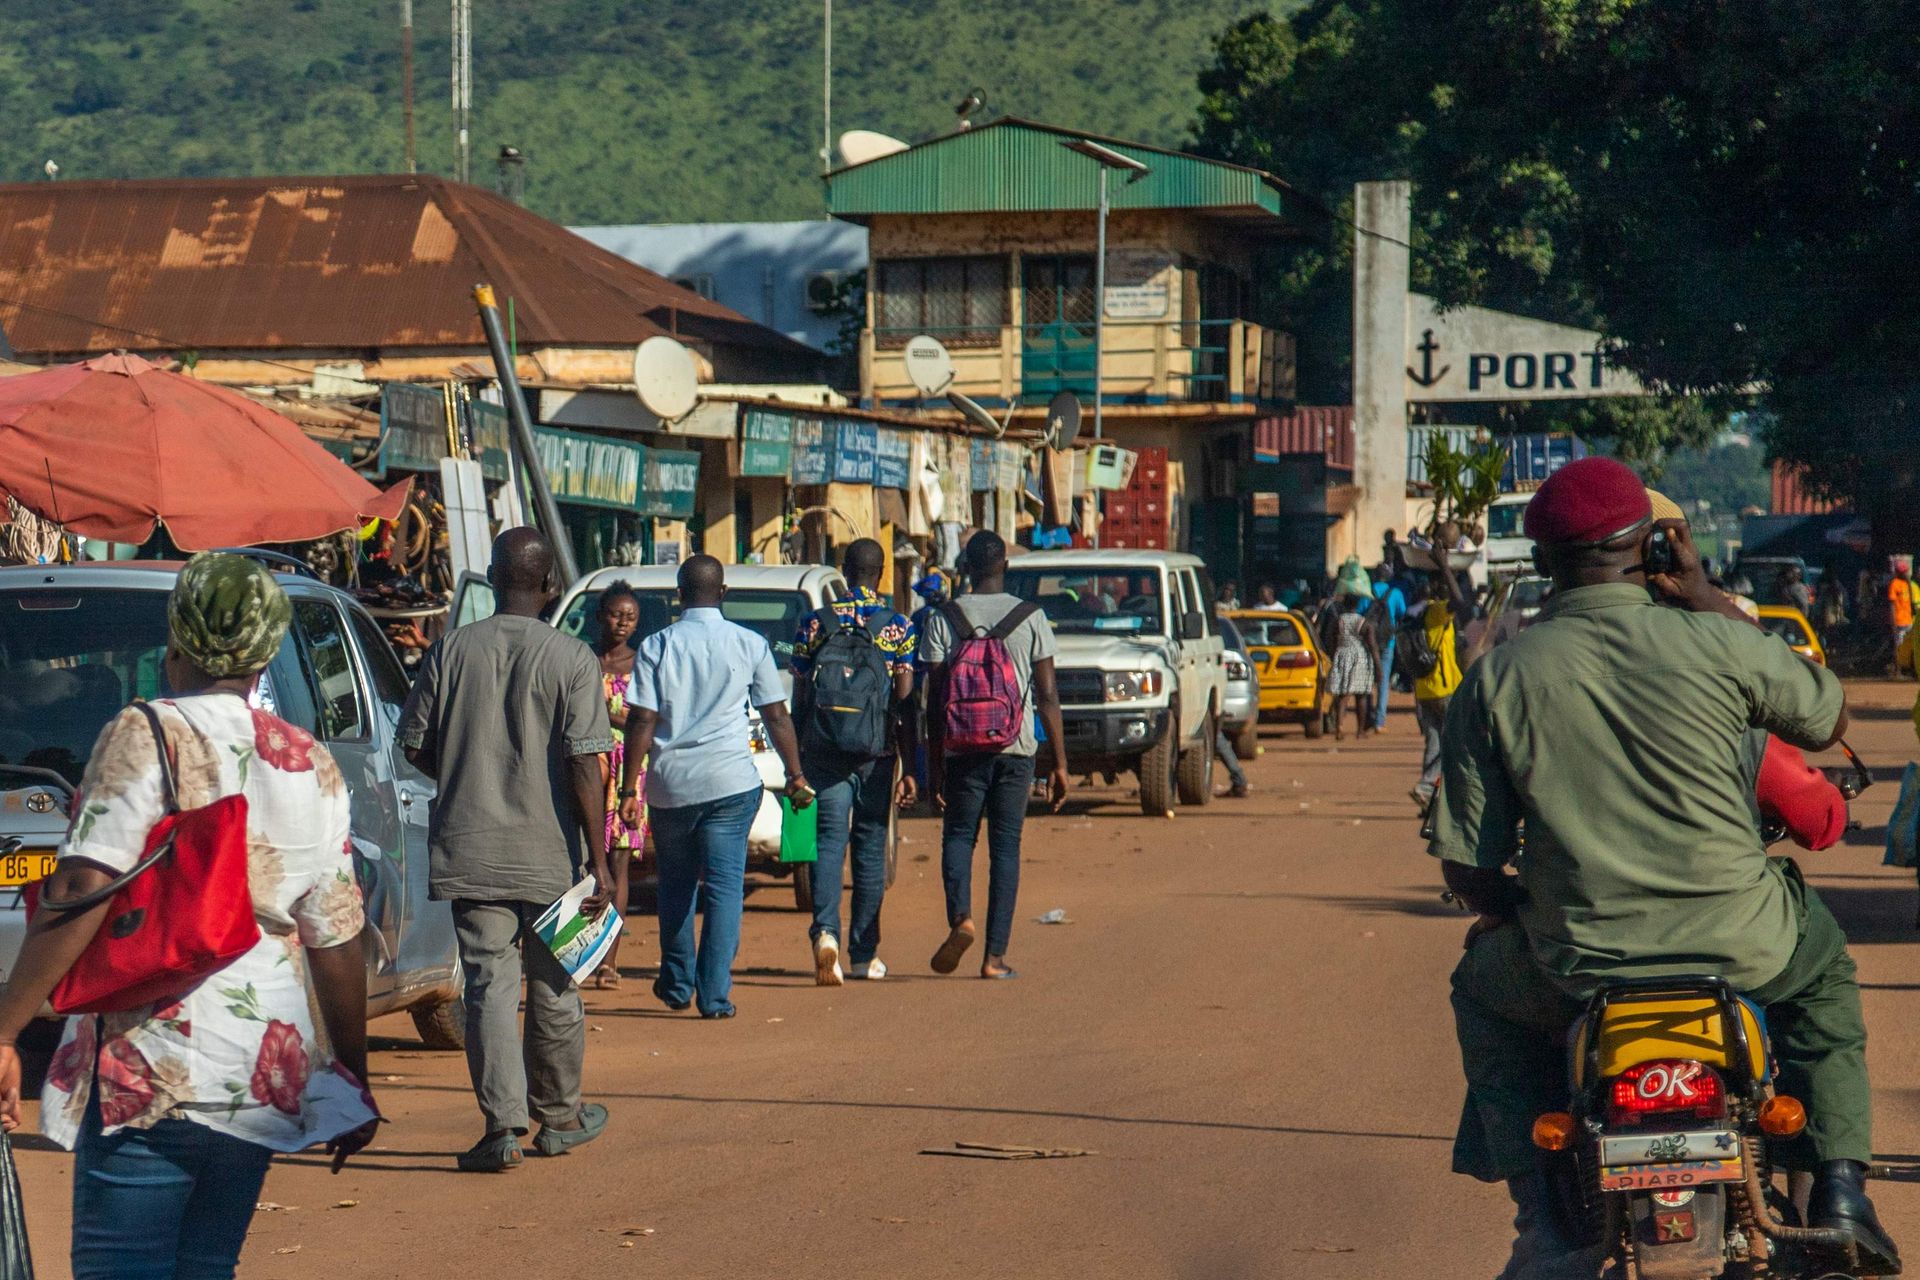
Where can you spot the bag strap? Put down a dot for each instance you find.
(877, 623)
(1011, 623)
(170, 796)
(963, 628)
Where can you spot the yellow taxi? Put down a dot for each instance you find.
(1792, 626)
(1289, 665)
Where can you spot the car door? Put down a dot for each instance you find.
(426, 944)
(344, 722)
(1187, 666)
(1210, 658)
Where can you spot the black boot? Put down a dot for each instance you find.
(1840, 1200)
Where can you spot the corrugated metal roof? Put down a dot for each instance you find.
(1789, 496)
(1014, 165)
(1323, 429)
(319, 264)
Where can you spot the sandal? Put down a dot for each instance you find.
(947, 958)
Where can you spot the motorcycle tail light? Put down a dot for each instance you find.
(1666, 1089)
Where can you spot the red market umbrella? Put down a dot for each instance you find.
(113, 446)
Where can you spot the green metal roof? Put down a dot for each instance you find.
(1013, 165)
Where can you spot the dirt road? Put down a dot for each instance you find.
(1245, 1022)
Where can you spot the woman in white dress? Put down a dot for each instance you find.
(1356, 662)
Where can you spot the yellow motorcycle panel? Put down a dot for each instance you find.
(1636, 1031)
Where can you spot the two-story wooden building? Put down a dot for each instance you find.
(985, 240)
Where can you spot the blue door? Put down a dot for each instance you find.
(1056, 338)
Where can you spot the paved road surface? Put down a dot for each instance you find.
(1245, 1022)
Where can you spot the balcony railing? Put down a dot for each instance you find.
(1146, 362)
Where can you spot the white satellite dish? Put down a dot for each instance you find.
(977, 414)
(857, 146)
(928, 365)
(665, 378)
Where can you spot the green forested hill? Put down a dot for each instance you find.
(630, 110)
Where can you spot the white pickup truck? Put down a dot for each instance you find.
(1142, 674)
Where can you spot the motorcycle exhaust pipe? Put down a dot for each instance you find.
(1768, 1225)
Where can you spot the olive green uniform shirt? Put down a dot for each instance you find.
(1615, 730)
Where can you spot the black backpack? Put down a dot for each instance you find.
(1412, 652)
(849, 689)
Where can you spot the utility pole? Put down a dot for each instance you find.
(462, 88)
(826, 96)
(406, 79)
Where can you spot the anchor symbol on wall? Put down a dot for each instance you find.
(1427, 377)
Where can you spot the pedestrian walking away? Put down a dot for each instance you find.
(852, 698)
(509, 716)
(1390, 608)
(687, 717)
(1446, 610)
(1345, 632)
(990, 659)
(619, 618)
(175, 1108)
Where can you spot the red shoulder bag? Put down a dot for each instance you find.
(182, 913)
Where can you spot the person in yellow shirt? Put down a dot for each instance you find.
(1447, 610)
(1903, 593)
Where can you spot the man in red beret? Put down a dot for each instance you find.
(1617, 730)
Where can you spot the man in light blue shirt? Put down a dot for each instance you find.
(687, 718)
(1393, 603)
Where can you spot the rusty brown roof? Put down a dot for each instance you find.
(305, 264)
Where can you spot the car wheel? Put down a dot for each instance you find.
(442, 1025)
(1158, 768)
(803, 887)
(1246, 742)
(1196, 766)
(1315, 724)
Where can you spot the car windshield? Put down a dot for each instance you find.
(1279, 631)
(774, 614)
(69, 661)
(1117, 599)
(1788, 629)
(1504, 520)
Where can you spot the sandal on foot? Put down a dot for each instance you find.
(947, 958)
(557, 1142)
(495, 1153)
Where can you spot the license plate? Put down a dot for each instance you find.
(1663, 1177)
(25, 867)
(1669, 1148)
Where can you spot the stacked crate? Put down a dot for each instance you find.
(1137, 515)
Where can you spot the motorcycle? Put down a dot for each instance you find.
(1664, 1154)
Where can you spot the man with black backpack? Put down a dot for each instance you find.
(1429, 648)
(852, 685)
(991, 659)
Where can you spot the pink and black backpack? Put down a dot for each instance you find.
(986, 707)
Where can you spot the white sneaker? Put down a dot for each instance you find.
(873, 970)
(826, 961)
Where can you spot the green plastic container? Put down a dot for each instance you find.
(799, 832)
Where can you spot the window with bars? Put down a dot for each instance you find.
(960, 301)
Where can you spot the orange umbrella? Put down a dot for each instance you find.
(113, 446)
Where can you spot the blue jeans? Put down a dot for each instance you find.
(1386, 684)
(854, 798)
(168, 1203)
(995, 787)
(702, 851)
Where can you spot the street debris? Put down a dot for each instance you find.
(345, 1204)
(268, 1206)
(637, 1231)
(1056, 916)
(1326, 1248)
(991, 1151)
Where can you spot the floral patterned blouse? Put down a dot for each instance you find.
(239, 1053)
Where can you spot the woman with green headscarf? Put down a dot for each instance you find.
(209, 1084)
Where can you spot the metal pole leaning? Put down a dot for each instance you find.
(543, 504)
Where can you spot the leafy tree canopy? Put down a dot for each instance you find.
(1725, 187)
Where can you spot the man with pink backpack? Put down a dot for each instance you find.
(990, 656)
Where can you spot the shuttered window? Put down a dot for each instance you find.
(960, 301)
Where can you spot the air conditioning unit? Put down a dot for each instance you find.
(700, 284)
(823, 289)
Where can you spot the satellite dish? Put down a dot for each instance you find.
(977, 414)
(665, 378)
(928, 365)
(857, 146)
(1063, 420)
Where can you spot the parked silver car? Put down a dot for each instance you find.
(79, 642)
(1240, 709)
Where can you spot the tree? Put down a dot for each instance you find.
(1726, 188)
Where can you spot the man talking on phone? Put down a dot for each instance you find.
(1616, 731)
(687, 718)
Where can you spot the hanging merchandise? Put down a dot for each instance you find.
(929, 502)
(16, 1259)
(956, 478)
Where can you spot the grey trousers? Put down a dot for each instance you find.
(1432, 715)
(514, 1072)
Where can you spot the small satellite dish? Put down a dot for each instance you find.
(665, 378)
(928, 365)
(857, 146)
(977, 414)
(1063, 420)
